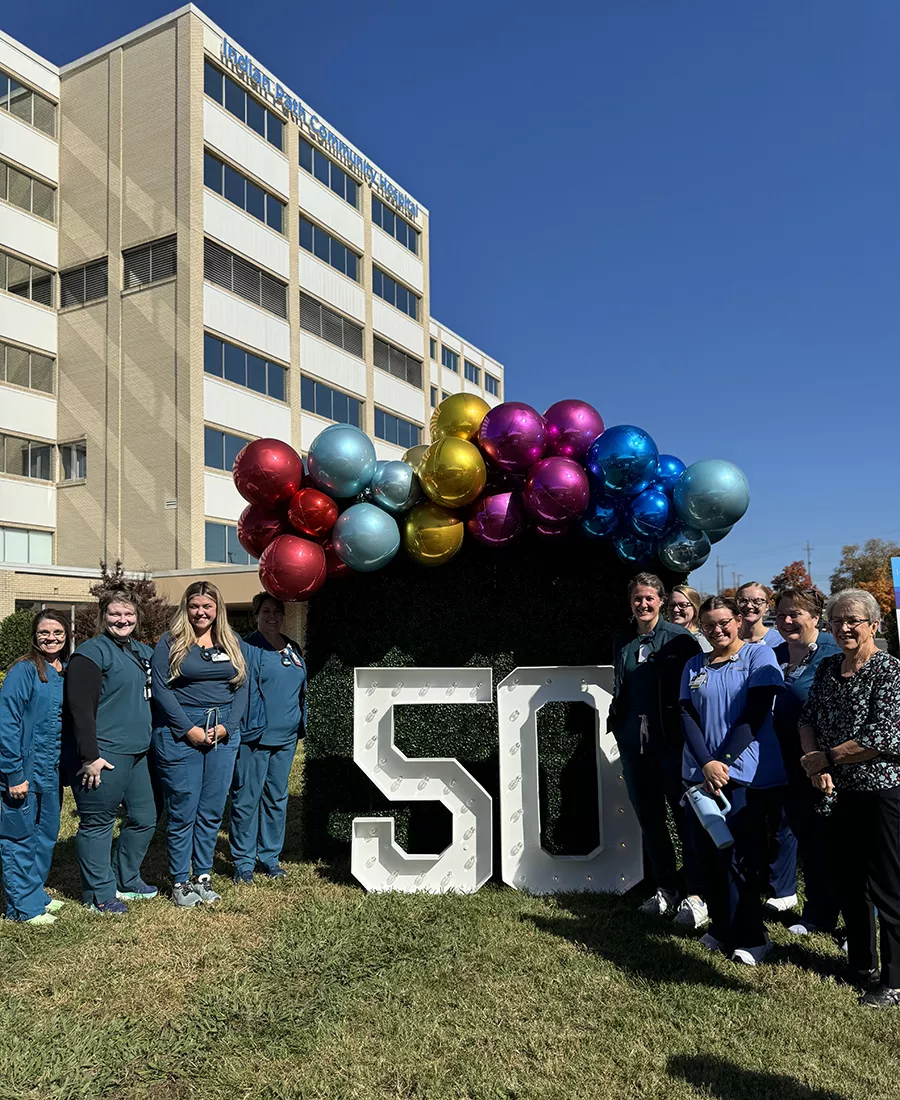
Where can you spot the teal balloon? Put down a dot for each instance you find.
(602, 518)
(684, 549)
(622, 461)
(711, 494)
(718, 534)
(365, 537)
(634, 550)
(394, 487)
(649, 514)
(668, 470)
(341, 460)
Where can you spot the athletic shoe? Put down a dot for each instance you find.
(692, 914)
(143, 893)
(710, 942)
(184, 896)
(273, 871)
(243, 878)
(41, 919)
(657, 906)
(782, 905)
(54, 905)
(867, 981)
(882, 997)
(752, 956)
(111, 908)
(203, 889)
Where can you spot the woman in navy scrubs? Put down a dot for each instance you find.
(276, 719)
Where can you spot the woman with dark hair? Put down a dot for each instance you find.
(30, 731)
(276, 719)
(644, 719)
(106, 734)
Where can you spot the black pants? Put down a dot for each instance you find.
(867, 834)
(813, 831)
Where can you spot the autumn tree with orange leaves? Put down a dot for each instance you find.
(869, 567)
(792, 576)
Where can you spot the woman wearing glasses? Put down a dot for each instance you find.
(683, 609)
(730, 746)
(850, 734)
(30, 728)
(276, 718)
(200, 699)
(754, 601)
(106, 738)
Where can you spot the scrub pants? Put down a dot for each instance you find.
(814, 833)
(195, 784)
(782, 873)
(29, 828)
(259, 800)
(128, 783)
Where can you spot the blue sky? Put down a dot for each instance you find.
(683, 213)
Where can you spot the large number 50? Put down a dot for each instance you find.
(466, 864)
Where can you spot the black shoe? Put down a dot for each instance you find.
(866, 980)
(881, 997)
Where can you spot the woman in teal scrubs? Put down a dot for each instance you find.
(276, 719)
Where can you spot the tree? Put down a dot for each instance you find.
(155, 612)
(15, 637)
(792, 576)
(869, 567)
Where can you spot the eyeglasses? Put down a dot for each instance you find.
(56, 635)
(744, 602)
(852, 623)
(711, 628)
(680, 606)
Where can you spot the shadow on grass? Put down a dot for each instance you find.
(608, 925)
(727, 1081)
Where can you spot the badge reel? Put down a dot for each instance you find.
(145, 665)
(290, 657)
(699, 680)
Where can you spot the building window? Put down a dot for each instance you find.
(492, 384)
(391, 291)
(26, 457)
(83, 284)
(74, 460)
(242, 105)
(224, 360)
(29, 106)
(28, 369)
(444, 395)
(326, 171)
(243, 278)
(398, 363)
(328, 248)
(245, 194)
(432, 348)
(220, 449)
(222, 545)
(394, 429)
(434, 399)
(24, 191)
(26, 547)
(472, 373)
(26, 280)
(316, 397)
(395, 226)
(331, 326)
(149, 263)
(450, 359)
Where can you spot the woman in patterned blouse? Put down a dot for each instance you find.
(850, 735)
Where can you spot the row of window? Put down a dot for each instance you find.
(149, 263)
(84, 284)
(395, 293)
(27, 193)
(225, 181)
(394, 429)
(220, 449)
(316, 397)
(331, 326)
(224, 360)
(395, 226)
(29, 106)
(242, 105)
(33, 458)
(450, 360)
(24, 547)
(329, 249)
(398, 363)
(222, 544)
(243, 278)
(24, 368)
(26, 280)
(326, 171)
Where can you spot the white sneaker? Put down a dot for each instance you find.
(657, 906)
(692, 914)
(752, 956)
(781, 905)
(710, 942)
(802, 929)
(203, 888)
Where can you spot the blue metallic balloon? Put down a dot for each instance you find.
(668, 470)
(341, 460)
(394, 487)
(634, 550)
(648, 513)
(718, 534)
(711, 494)
(601, 519)
(684, 549)
(622, 461)
(365, 537)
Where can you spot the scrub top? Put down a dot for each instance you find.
(123, 713)
(277, 694)
(30, 726)
(770, 638)
(204, 680)
(719, 695)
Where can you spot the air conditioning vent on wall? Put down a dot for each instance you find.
(171, 503)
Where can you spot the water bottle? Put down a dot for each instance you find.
(711, 813)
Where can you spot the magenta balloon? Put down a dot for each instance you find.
(513, 435)
(572, 426)
(557, 490)
(497, 519)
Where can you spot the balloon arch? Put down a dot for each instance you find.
(490, 474)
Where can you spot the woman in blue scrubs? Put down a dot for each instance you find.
(276, 719)
(730, 746)
(30, 730)
(199, 675)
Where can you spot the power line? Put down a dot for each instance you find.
(809, 549)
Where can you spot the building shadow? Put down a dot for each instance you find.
(722, 1079)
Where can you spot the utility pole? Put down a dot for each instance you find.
(809, 549)
(720, 576)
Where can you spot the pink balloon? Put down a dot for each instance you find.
(572, 426)
(497, 519)
(513, 435)
(557, 491)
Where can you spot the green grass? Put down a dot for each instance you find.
(309, 988)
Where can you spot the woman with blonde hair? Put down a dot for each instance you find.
(683, 609)
(199, 672)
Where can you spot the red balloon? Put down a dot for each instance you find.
(268, 472)
(312, 512)
(334, 565)
(257, 527)
(292, 568)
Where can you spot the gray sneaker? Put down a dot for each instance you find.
(202, 887)
(184, 896)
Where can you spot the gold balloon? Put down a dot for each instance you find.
(431, 534)
(414, 456)
(458, 415)
(452, 472)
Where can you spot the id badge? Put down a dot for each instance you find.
(219, 656)
(699, 680)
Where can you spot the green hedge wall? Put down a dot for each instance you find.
(533, 604)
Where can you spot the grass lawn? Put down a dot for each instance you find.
(310, 988)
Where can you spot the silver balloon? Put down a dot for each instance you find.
(341, 460)
(711, 494)
(394, 487)
(718, 534)
(683, 549)
(365, 537)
